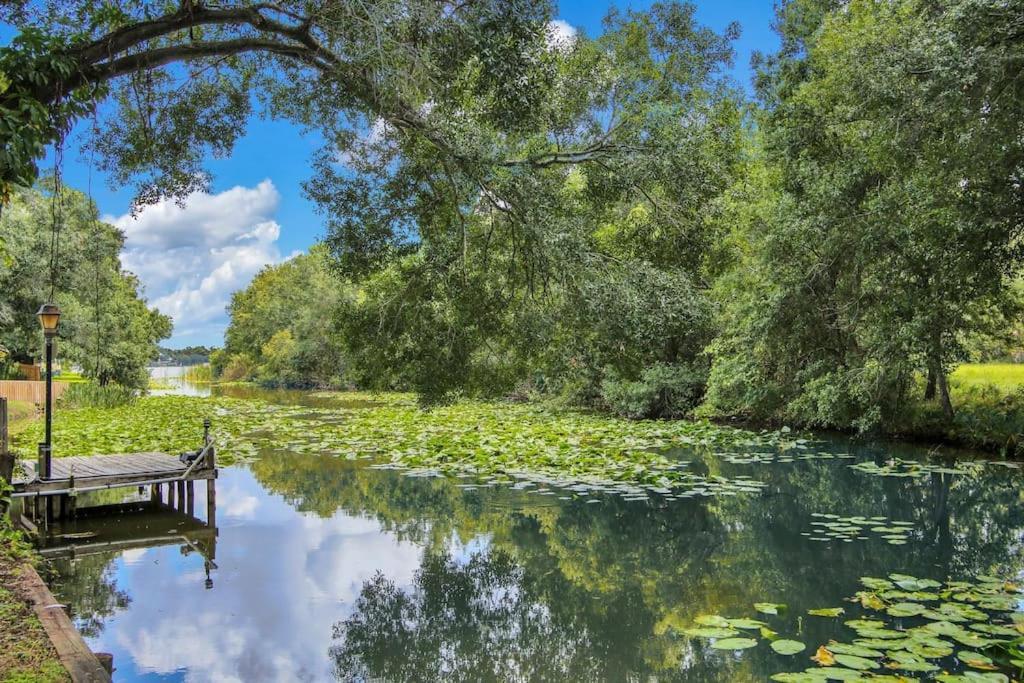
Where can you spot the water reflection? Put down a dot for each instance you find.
(328, 568)
(169, 380)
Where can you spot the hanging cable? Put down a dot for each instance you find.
(57, 203)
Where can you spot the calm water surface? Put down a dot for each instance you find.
(324, 569)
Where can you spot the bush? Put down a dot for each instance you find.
(238, 367)
(985, 417)
(663, 391)
(93, 395)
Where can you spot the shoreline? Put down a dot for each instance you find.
(40, 641)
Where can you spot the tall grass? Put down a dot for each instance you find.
(198, 374)
(92, 395)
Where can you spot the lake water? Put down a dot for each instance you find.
(328, 569)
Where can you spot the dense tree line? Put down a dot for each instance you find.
(607, 219)
(106, 327)
(824, 254)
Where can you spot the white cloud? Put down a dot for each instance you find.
(561, 33)
(191, 258)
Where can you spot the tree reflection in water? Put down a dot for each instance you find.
(521, 586)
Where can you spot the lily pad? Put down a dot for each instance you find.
(711, 632)
(734, 643)
(747, 624)
(857, 650)
(768, 607)
(788, 647)
(832, 612)
(975, 659)
(855, 662)
(905, 609)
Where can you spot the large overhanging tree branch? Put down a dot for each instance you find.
(49, 80)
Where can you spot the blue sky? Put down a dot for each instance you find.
(191, 260)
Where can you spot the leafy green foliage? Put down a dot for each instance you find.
(106, 327)
(885, 233)
(284, 326)
(561, 272)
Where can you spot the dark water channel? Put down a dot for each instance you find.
(325, 569)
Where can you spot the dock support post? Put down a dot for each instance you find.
(211, 502)
(190, 498)
(181, 495)
(170, 495)
(211, 484)
(154, 494)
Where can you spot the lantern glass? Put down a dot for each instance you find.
(49, 318)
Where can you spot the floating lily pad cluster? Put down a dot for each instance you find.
(560, 447)
(829, 527)
(796, 451)
(897, 467)
(921, 629)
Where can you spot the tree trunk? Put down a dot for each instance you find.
(947, 405)
(929, 388)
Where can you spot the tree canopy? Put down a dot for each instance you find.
(604, 218)
(106, 326)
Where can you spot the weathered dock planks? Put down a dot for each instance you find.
(91, 472)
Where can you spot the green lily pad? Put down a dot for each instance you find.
(930, 651)
(788, 647)
(905, 609)
(916, 666)
(855, 662)
(712, 620)
(747, 624)
(835, 673)
(734, 643)
(768, 607)
(856, 650)
(858, 624)
(975, 659)
(827, 612)
(711, 632)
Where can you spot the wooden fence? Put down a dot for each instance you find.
(33, 392)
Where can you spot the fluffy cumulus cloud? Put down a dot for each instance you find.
(190, 258)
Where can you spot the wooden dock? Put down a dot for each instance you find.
(55, 496)
(93, 472)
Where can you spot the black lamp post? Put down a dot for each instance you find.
(49, 317)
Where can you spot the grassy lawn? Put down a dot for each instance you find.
(1007, 376)
(26, 653)
(19, 414)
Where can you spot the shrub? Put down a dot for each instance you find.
(239, 367)
(663, 390)
(93, 395)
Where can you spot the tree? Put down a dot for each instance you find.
(106, 326)
(181, 78)
(892, 138)
(526, 271)
(284, 325)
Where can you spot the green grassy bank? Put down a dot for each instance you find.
(26, 653)
(988, 403)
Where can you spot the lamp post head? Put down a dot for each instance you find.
(49, 317)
